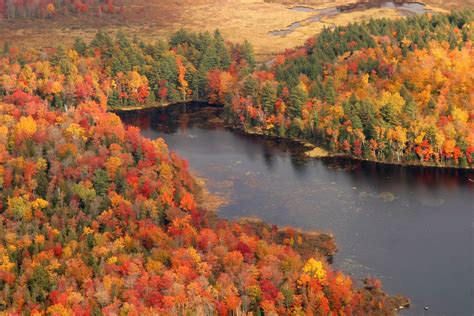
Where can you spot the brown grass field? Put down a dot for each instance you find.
(237, 20)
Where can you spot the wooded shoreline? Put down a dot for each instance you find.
(310, 145)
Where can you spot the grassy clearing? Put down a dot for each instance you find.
(447, 4)
(317, 152)
(237, 20)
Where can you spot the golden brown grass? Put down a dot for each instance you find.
(237, 19)
(317, 152)
(446, 4)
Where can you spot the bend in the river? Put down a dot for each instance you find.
(410, 226)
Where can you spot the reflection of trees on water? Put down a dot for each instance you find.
(299, 164)
(176, 118)
(184, 121)
(268, 158)
(410, 177)
(172, 118)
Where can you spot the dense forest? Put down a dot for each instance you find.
(389, 91)
(10, 9)
(123, 72)
(96, 219)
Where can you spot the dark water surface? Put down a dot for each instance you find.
(410, 227)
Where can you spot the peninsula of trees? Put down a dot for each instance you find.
(388, 91)
(96, 219)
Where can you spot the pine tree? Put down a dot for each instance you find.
(222, 52)
(250, 87)
(298, 98)
(122, 40)
(114, 99)
(330, 93)
(269, 97)
(61, 60)
(248, 55)
(120, 62)
(411, 109)
(80, 46)
(390, 115)
(104, 43)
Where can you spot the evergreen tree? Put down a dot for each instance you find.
(104, 43)
(411, 109)
(250, 87)
(80, 46)
(356, 122)
(269, 97)
(222, 52)
(120, 62)
(330, 93)
(298, 98)
(366, 113)
(316, 91)
(114, 99)
(390, 115)
(61, 60)
(122, 40)
(248, 55)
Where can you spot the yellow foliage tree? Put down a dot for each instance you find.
(25, 128)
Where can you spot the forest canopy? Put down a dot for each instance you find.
(96, 219)
(10, 9)
(389, 91)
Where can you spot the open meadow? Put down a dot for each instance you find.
(237, 19)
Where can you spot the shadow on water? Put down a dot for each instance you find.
(179, 118)
(411, 227)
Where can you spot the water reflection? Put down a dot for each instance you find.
(411, 227)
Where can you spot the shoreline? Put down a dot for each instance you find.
(330, 154)
(154, 106)
(308, 144)
(304, 241)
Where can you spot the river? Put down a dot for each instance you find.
(402, 7)
(410, 227)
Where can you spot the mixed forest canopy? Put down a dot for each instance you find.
(119, 71)
(96, 219)
(10, 9)
(390, 91)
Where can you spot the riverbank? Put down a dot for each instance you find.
(314, 150)
(153, 106)
(368, 207)
(304, 242)
(318, 151)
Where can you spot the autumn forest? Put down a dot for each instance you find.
(97, 219)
